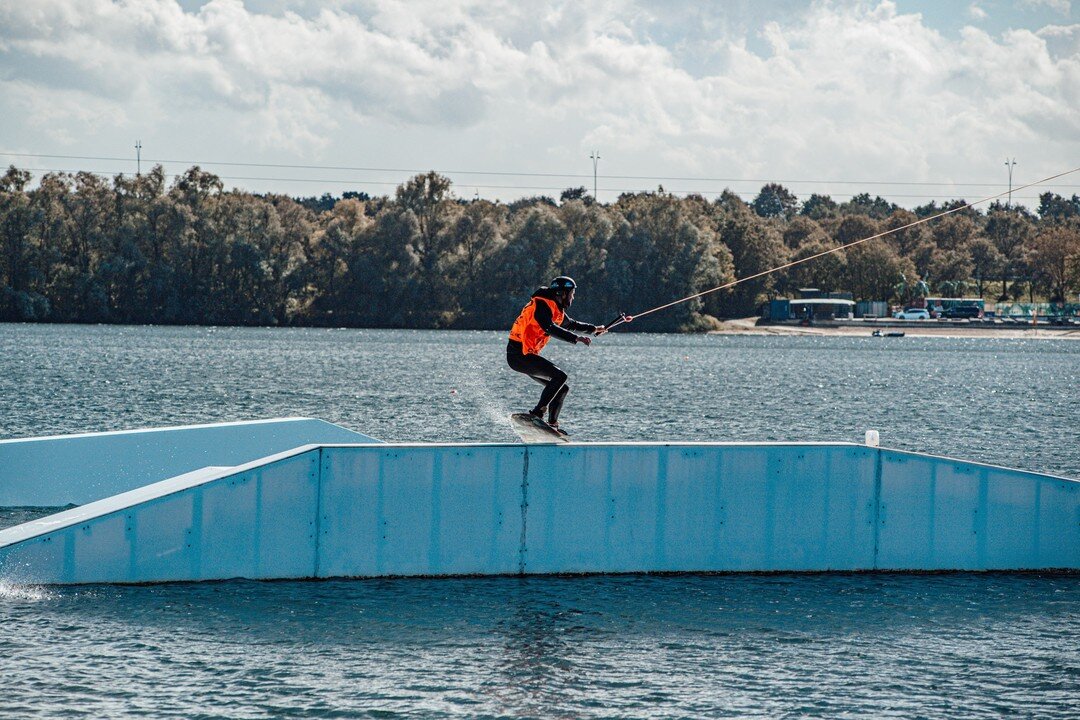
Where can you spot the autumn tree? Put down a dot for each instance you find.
(827, 270)
(873, 269)
(803, 231)
(854, 228)
(81, 247)
(986, 263)
(904, 236)
(1010, 231)
(1055, 259)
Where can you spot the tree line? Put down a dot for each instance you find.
(136, 249)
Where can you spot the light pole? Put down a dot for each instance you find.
(1010, 163)
(138, 157)
(595, 157)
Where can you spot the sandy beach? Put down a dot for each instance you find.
(914, 328)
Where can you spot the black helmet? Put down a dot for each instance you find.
(562, 283)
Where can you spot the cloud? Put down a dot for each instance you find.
(1062, 6)
(840, 88)
(225, 56)
(976, 12)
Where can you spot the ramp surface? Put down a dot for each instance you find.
(77, 469)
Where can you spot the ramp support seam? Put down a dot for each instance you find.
(522, 548)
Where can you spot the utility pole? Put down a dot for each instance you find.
(1010, 163)
(138, 157)
(595, 157)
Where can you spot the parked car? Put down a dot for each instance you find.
(963, 311)
(913, 314)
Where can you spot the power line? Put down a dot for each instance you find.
(628, 318)
(576, 176)
(548, 188)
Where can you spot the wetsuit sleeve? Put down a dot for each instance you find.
(544, 319)
(571, 324)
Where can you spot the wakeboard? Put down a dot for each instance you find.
(532, 429)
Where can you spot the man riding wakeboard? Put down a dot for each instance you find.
(545, 316)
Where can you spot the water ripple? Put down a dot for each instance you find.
(942, 646)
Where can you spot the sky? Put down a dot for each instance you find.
(913, 100)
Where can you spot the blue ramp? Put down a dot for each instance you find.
(429, 510)
(77, 469)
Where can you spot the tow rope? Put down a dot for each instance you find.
(625, 318)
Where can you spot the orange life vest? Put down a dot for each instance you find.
(528, 332)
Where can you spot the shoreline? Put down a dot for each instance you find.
(916, 328)
(738, 326)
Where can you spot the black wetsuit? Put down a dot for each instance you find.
(541, 369)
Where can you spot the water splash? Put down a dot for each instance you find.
(475, 387)
(32, 593)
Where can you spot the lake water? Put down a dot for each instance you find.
(955, 645)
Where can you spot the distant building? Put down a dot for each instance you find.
(815, 294)
(812, 304)
(810, 309)
(872, 309)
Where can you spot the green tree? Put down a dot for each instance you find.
(819, 207)
(477, 237)
(532, 255)
(286, 254)
(585, 257)
(663, 251)
(191, 244)
(755, 247)
(910, 288)
(426, 196)
(862, 204)
(775, 201)
(17, 262)
(77, 289)
(134, 255)
(953, 288)
(1054, 208)
(49, 202)
(245, 285)
(80, 248)
(577, 193)
(431, 301)
(340, 238)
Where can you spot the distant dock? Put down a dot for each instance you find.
(913, 328)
